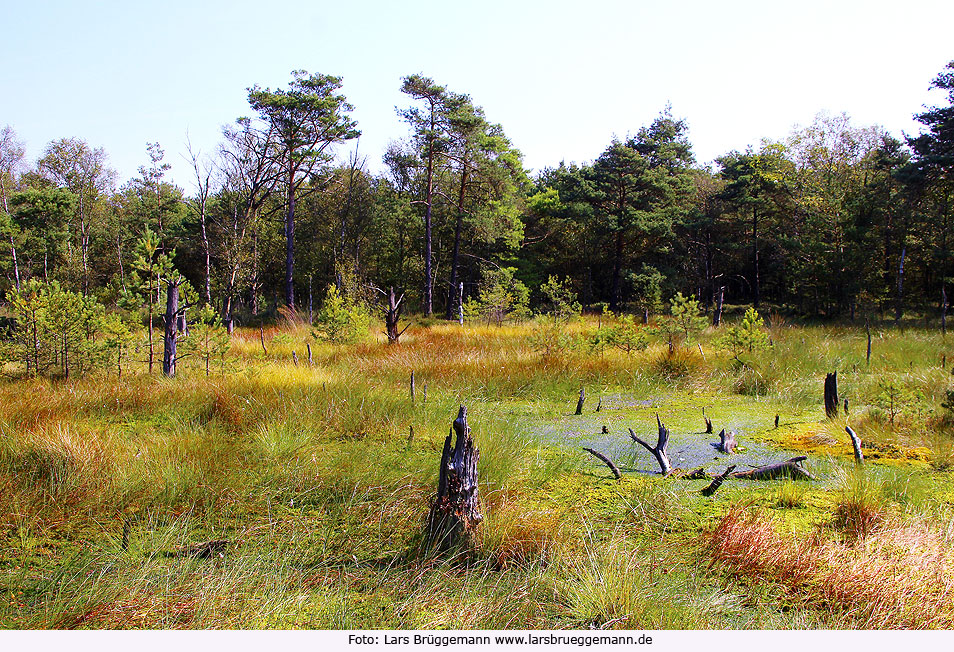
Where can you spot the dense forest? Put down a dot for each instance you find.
(836, 220)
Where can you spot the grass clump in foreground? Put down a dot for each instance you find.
(312, 475)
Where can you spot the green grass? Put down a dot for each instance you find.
(310, 473)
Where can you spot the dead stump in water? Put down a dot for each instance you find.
(455, 511)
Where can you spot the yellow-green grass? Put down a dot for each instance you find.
(312, 475)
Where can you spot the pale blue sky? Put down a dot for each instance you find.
(561, 77)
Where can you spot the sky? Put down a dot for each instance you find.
(562, 78)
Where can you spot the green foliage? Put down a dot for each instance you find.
(560, 299)
(624, 334)
(647, 288)
(208, 340)
(55, 331)
(685, 320)
(897, 399)
(502, 297)
(341, 320)
(749, 335)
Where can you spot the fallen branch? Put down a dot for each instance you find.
(606, 461)
(856, 444)
(717, 482)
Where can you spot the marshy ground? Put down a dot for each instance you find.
(311, 474)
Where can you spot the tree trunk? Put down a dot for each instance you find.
(831, 395)
(787, 469)
(899, 300)
(290, 243)
(717, 314)
(455, 511)
(458, 229)
(169, 338)
(579, 403)
(393, 316)
(616, 298)
(856, 445)
(943, 311)
(755, 257)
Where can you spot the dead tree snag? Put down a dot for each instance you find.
(607, 461)
(831, 395)
(659, 450)
(455, 511)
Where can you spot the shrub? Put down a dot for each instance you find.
(685, 320)
(501, 297)
(560, 299)
(341, 320)
(749, 335)
(625, 335)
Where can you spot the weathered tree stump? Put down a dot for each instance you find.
(708, 422)
(607, 461)
(659, 450)
(856, 445)
(311, 361)
(455, 511)
(717, 482)
(726, 443)
(776, 421)
(831, 395)
(788, 469)
(599, 403)
(579, 403)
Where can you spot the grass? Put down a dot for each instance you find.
(310, 473)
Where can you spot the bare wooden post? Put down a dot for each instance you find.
(424, 394)
(311, 361)
(607, 461)
(708, 422)
(261, 334)
(460, 304)
(659, 450)
(856, 444)
(579, 403)
(831, 395)
(776, 421)
(599, 403)
(412, 386)
(845, 406)
(868, 332)
(455, 511)
(410, 436)
(295, 358)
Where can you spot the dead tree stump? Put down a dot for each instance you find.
(392, 317)
(726, 443)
(455, 511)
(831, 395)
(579, 403)
(659, 450)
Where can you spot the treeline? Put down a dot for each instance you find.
(835, 220)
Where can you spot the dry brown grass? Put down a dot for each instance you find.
(899, 577)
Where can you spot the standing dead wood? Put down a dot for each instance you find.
(579, 403)
(659, 450)
(776, 421)
(311, 361)
(943, 311)
(708, 422)
(607, 461)
(856, 444)
(726, 443)
(845, 406)
(392, 317)
(410, 436)
(717, 313)
(831, 395)
(261, 334)
(717, 482)
(295, 358)
(455, 511)
(412, 387)
(599, 403)
(787, 469)
(868, 333)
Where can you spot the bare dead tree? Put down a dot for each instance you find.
(831, 395)
(579, 403)
(727, 443)
(659, 450)
(856, 445)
